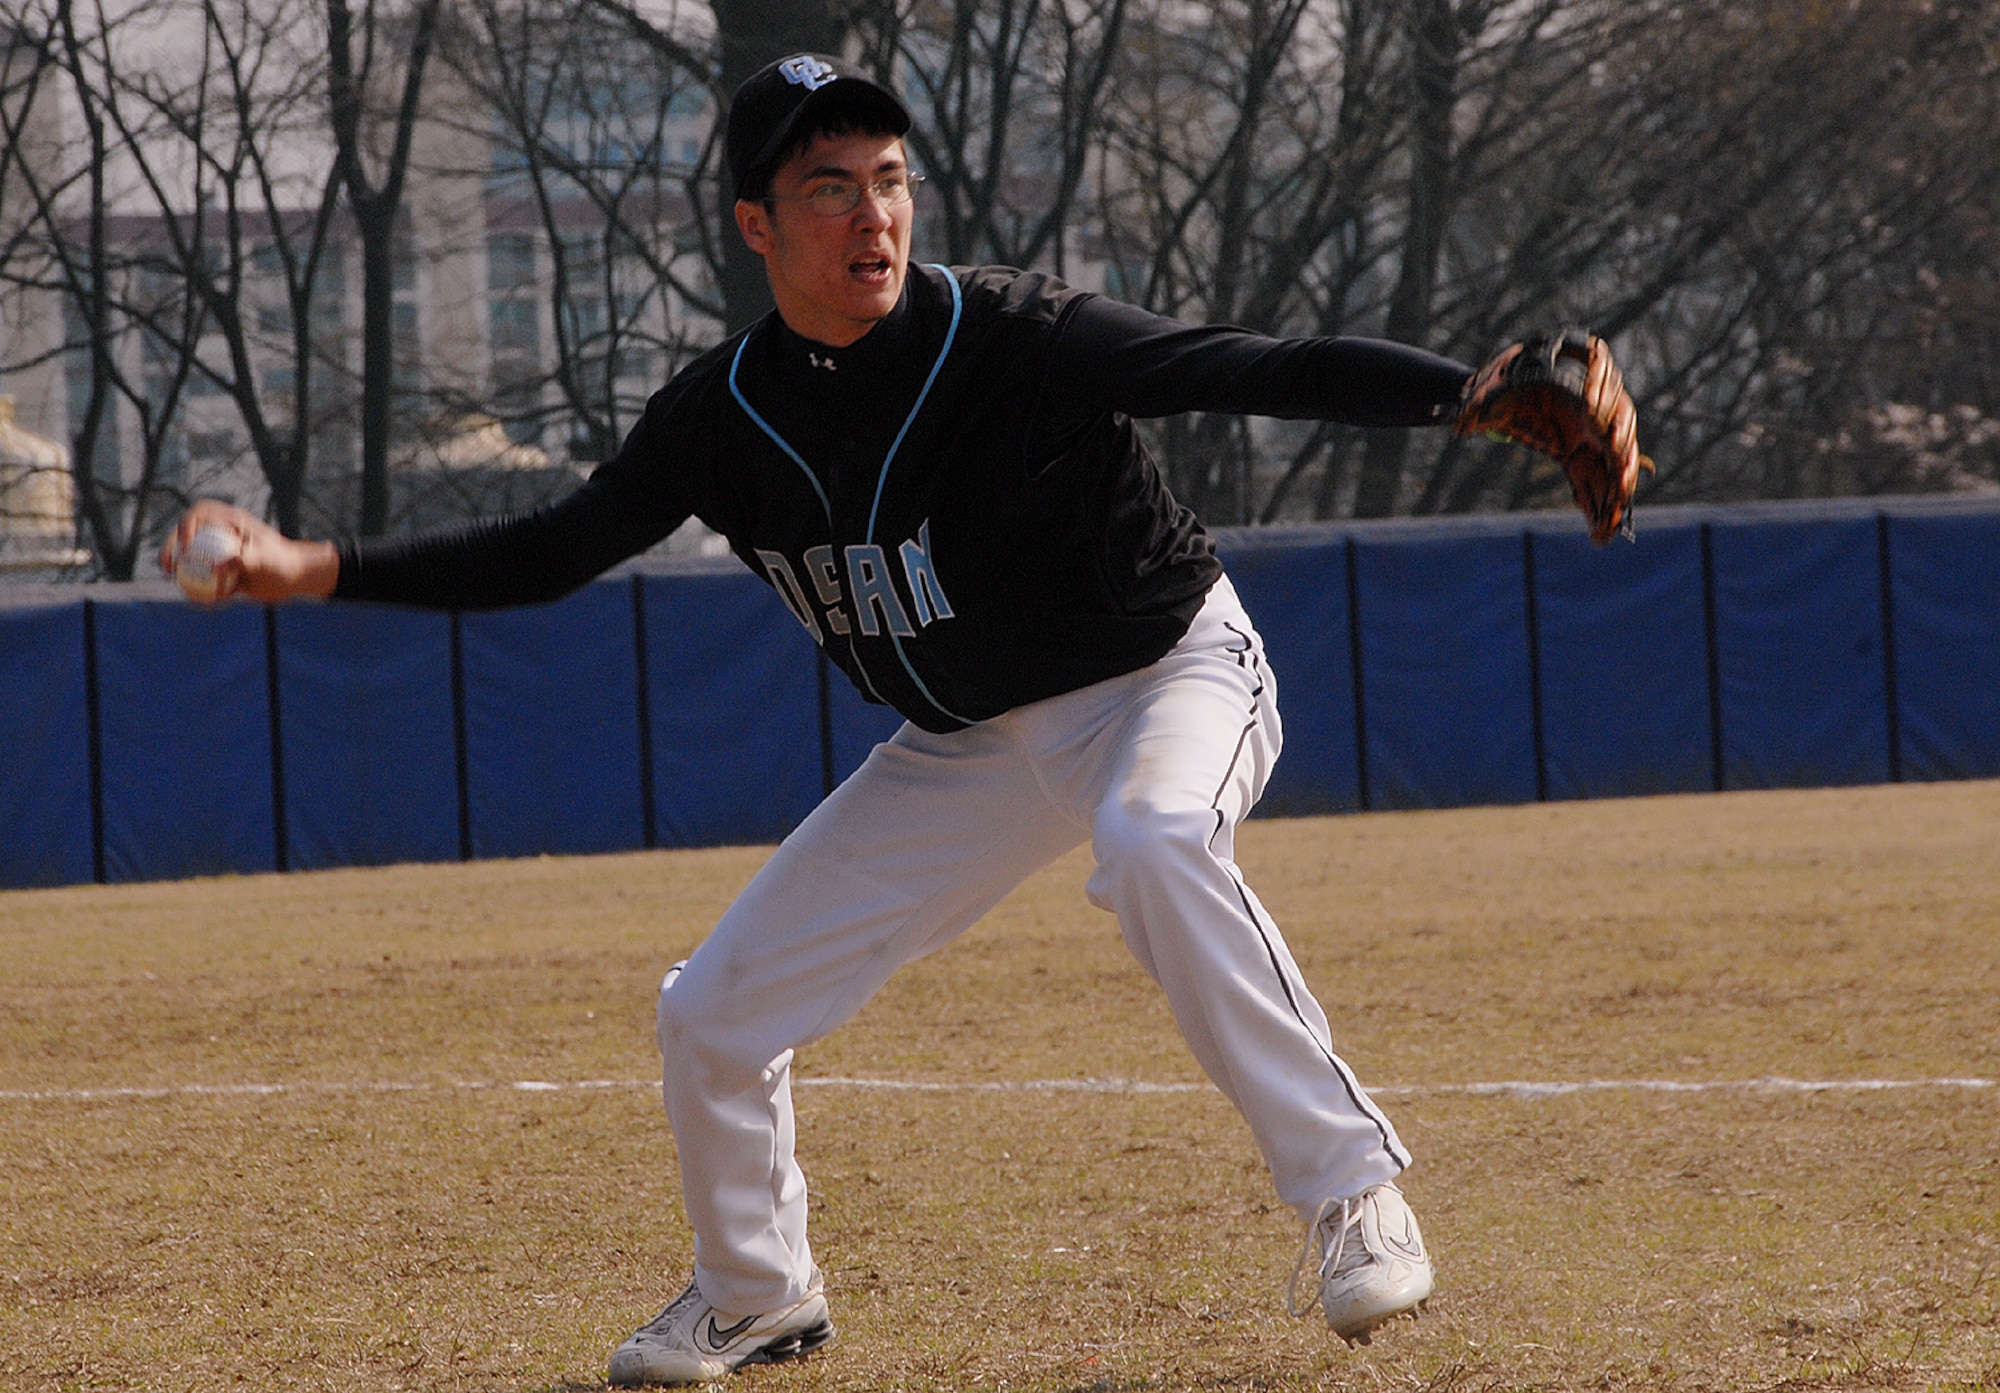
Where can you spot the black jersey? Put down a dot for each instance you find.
(956, 507)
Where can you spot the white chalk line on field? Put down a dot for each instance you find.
(1509, 1088)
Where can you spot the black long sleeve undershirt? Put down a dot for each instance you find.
(1145, 365)
(1102, 357)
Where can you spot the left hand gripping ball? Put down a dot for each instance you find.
(196, 564)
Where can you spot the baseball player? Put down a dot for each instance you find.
(936, 469)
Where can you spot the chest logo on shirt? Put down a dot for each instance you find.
(856, 589)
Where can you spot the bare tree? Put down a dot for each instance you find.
(601, 178)
(128, 333)
(1726, 190)
(365, 55)
(1736, 209)
(748, 34)
(751, 33)
(1241, 156)
(1436, 37)
(1008, 95)
(251, 238)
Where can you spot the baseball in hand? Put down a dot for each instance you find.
(195, 564)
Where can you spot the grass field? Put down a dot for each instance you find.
(270, 1132)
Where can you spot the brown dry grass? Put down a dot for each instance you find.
(340, 1236)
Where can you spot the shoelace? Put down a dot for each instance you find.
(664, 1321)
(1328, 1262)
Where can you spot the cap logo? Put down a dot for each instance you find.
(806, 71)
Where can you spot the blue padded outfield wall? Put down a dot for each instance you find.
(1420, 664)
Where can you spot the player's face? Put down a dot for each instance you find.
(833, 277)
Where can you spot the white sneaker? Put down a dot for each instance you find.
(1369, 1260)
(692, 1342)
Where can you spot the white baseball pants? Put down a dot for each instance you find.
(1156, 768)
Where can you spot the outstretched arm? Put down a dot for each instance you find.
(627, 505)
(487, 563)
(1559, 393)
(1130, 360)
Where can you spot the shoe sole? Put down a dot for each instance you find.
(1365, 1334)
(797, 1345)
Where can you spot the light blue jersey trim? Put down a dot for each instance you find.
(875, 508)
(766, 427)
(811, 478)
(950, 337)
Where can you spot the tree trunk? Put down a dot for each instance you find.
(375, 204)
(287, 493)
(1434, 57)
(753, 33)
(378, 347)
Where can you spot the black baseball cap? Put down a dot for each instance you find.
(770, 105)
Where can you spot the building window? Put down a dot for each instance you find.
(406, 378)
(513, 327)
(510, 263)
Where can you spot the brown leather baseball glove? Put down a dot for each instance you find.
(1560, 393)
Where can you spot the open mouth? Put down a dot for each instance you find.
(869, 268)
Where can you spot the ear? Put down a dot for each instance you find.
(753, 220)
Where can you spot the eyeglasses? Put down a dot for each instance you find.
(839, 197)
